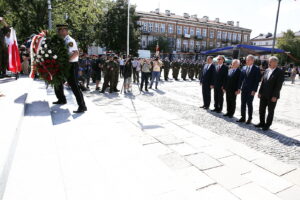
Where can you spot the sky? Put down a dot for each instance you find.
(258, 15)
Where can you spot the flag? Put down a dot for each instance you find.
(14, 64)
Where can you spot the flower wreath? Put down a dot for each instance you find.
(49, 58)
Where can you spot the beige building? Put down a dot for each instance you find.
(190, 34)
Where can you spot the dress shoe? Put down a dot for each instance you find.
(80, 110)
(146, 90)
(101, 91)
(214, 110)
(259, 125)
(226, 115)
(59, 102)
(241, 120)
(97, 88)
(202, 106)
(265, 128)
(249, 121)
(116, 90)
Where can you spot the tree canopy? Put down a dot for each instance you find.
(291, 44)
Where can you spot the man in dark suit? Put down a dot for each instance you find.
(269, 93)
(248, 84)
(232, 87)
(219, 83)
(207, 81)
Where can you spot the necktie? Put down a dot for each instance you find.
(248, 70)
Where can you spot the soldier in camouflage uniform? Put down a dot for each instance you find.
(167, 66)
(110, 69)
(175, 67)
(116, 74)
(192, 70)
(184, 70)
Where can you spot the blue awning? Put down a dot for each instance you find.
(244, 50)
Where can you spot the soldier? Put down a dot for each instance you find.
(176, 67)
(116, 72)
(73, 76)
(184, 70)
(166, 63)
(109, 68)
(191, 70)
(197, 69)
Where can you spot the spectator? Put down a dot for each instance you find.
(4, 32)
(157, 64)
(293, 74)
(127, 75)
(146, 72)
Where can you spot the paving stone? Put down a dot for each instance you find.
(157, 149)
(216, 152)
(203, 161)
(193, 178)
(215, 192)
(180, 122)
(227, 177)
(276, 167)
(253, 192)
(146, 139)
(184, 149)
(174, 161)
(268, 180)
(197, 142)
(293, 177)
(238, 164)
(168, 139)
(292, 193)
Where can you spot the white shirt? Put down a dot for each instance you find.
(122, 62)
(72, 46)
(270, 71)
(248, 68)
(207, 66)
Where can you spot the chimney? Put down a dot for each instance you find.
(168, 12)
(205, 18)
(217, 20)
(194, 16)
(238, 24)
(186, 15)
(157, 10)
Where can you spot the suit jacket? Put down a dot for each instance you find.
(207, 77)
(250, 82)
(221, 77)
(271, 87)
(233, 79)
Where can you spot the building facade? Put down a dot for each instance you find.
(189, 34)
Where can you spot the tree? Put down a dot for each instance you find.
(113, 29)
(164, 45)
(290, 44)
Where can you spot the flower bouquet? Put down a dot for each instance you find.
(49, 58)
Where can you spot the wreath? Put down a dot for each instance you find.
(50, 58)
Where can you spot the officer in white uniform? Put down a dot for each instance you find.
(72, 80)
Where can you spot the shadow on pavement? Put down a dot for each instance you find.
(60, 116)
(37, 108)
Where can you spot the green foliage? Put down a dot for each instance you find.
(164, 45)
(113, 29)
(290, 44)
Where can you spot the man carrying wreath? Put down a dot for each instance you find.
(72, 80)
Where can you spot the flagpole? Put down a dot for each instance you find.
(128, 26)
(276, 23)
(49, 15)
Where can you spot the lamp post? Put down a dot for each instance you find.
(276, 23)
(128, 26)
(49, 14)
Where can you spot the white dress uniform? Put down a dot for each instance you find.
(72, 46)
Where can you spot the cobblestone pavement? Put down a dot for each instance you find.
(184, 98)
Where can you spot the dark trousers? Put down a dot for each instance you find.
(219, 98)
(166, 73)
(206, 93)
(231, 102)
(247, 101)
(122, 70)
(145, 79)
(136, 77)
(263, 104)
(73, 83)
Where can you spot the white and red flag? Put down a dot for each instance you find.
(14, 64)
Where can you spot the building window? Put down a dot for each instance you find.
(198, 46)
(219, 35)
(204, 44)
(170, 28)
(192, 31)
(239, 37)
(204, 32)
(212, 34)
(224, 35)
(144, 44)
(178, 43)
(156, 27)
(185, 45)
(218, 44)
(179, 30)
(245, 38)
(185, 30)
(198, 32)
(211, 44)
(150, 27)
(191, 44)
(162, 28)
(145, 26)
(229, 36)
(234, 36)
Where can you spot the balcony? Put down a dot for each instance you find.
(198, 37)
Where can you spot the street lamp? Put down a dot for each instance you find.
(128, 26)
(276, 23)
(49, 14)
